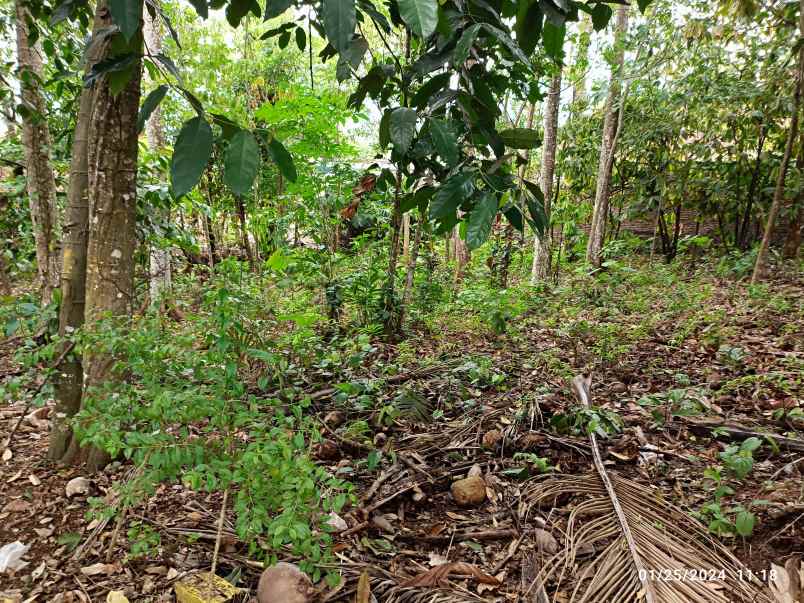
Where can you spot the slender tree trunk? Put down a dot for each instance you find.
(793, 241)
(608, 145)
(462, 255)
(5, 283)
(581, 60)
(68, 384)
(161, 277)
(760, 267)
(40, 181)
(742, 239)
(241, 214)
(393, 316)
(406, 235)
(412, 259)
(541, 245)
(112, 215)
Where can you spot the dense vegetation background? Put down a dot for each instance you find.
(318, 282)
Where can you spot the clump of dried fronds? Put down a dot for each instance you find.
(649, 549)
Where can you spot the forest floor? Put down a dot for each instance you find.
(678, 360)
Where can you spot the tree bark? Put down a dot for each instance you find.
(68, 383)
(760, 268)
(161, 277)
(541, 245)
(793, 241)
(112, 214)
(608, 144)
(41, 183)
(412, 259)
(393, 315)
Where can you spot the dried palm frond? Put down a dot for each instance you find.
(650, 550)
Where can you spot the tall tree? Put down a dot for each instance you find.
(760, 268)
(160, 269)
(41, 183)
(63, 446)
(608, 143)
(541, 244)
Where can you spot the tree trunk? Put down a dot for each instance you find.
(608, 144)
(406, 235)
(793, 241)
(161, 277)
(112, 215)
(412, 259)
(541, 244)
(582, 60)
(39, 177)
(462, 254)
(760, 267)
(68, 383)
(392, 312)
(5, 283)
(742, 239)
(241, 214)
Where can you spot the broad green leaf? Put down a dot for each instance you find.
(528, 26)
(601, 14)
(301, 39)
(429, 88)
(744, 523)
(520, 138)
(643, 5)
(340, 20)
(201, 8)
(274, 8)
(553, 38)
(149, 105)
(402, 128)
(282, 159)
(241, 163)
(237, 9)
(420, 15)
(190, 155)
(126, 14)
(451, 194)
(514, 216)
(504, 39)
(444, 141)
(385, 135)
(481, 220)
(354, 54)
(465, 44)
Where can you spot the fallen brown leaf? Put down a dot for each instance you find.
(439, 574)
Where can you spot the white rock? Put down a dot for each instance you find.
(77, 485)
(337, 523)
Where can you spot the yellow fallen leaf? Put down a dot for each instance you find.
(116, 596)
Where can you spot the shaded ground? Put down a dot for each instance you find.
(469, 398)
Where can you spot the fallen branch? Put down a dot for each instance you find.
(739, 432)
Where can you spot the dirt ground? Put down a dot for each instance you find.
(408, 522)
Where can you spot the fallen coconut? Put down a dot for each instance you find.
(77, 485)
(470, 491)
(284, 583)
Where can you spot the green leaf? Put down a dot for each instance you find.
(274, 8)
(429, 88)
(420, 15)
(481, 220)
(190, 155)
(744, 523)
(451, 194)
(241, 162)
(354, 54)
(282, 159)
(149, 105)
(340, 20)
(237, 9)
(402, 128)
(504, 39)
(126, 14)
(201, 8)
(643, 5)
(553, 38)
(514, 216)
(385, 136)
(528, 26)
(750, 444)
(464, 44)
(601, 15)
(301, 39)
(444, 141)
(520, 138)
